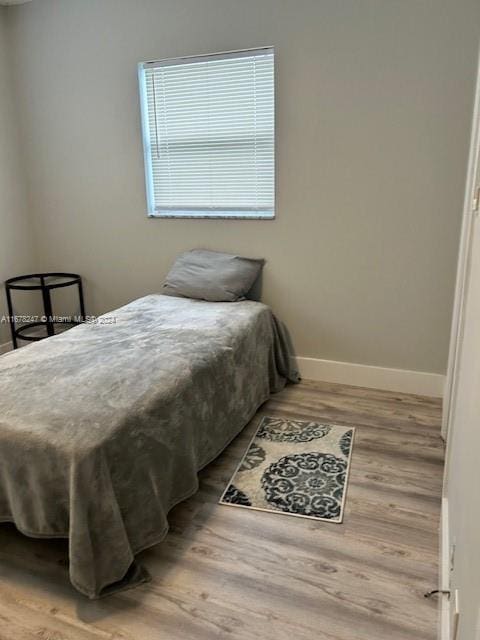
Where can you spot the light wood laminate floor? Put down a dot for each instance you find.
(234, 573)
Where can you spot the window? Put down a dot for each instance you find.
(208, 129)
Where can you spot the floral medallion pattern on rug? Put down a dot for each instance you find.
(346, 442)
(292, 430)
(234, 496)
(310, 484)
(294, 467)
(254, 456)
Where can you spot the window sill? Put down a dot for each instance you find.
(241, 215)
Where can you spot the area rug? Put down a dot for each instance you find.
(294, 467)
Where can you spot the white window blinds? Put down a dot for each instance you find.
(208, 125)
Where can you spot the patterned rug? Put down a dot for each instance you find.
(296, 467)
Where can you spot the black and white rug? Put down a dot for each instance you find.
(296, 467)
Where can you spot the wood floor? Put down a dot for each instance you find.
(235, 573)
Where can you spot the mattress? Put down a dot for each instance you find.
(104, 428)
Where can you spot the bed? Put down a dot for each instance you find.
(104, 428)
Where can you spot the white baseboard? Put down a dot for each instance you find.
(444, 575)
(361, 375)
(7, 346)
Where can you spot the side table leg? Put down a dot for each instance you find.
(47, 307)
(82, 302)
(11, 318)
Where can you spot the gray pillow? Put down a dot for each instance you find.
(212, 276)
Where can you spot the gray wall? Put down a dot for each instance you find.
(15, 233)
(373, 111)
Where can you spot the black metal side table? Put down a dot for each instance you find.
(44, 282)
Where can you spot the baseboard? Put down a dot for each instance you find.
(444, 575)
(7, 346)
(360, 375)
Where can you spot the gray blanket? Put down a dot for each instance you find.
(104, 428)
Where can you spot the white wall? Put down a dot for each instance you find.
(16, 245)
(373, 107)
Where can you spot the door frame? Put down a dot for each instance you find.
(456, 341)
(463, 264)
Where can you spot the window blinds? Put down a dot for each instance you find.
(208, 125)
